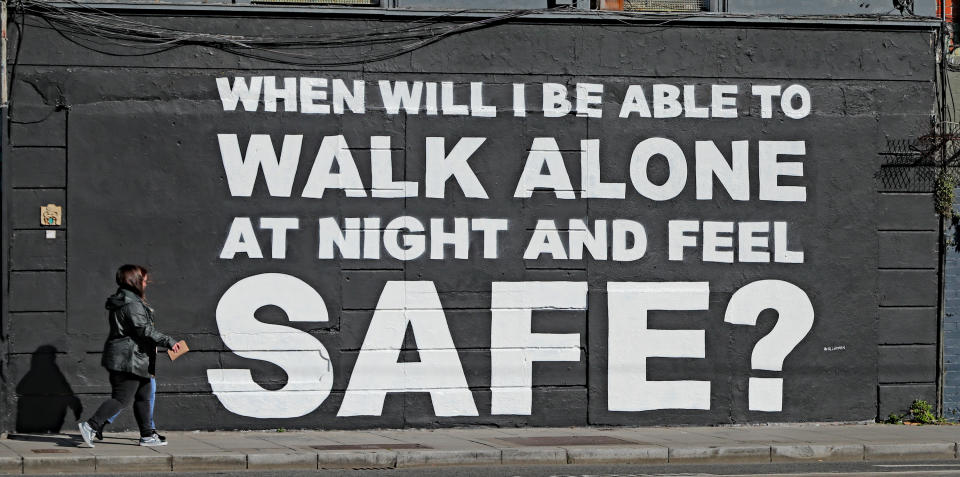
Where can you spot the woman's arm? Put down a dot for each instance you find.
(143, 327)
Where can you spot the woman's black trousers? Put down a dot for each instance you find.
(127, 388)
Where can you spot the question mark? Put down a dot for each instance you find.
(795, 320)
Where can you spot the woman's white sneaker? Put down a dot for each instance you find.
(87, 433)
(152, 441)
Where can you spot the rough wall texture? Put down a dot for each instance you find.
(129, 147)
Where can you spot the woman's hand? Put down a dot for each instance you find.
(177, 347)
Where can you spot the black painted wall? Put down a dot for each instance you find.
(128, 146)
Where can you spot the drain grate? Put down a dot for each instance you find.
(50, 451)
(547, 441)
(371, 447)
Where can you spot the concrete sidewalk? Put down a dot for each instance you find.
(272, 450)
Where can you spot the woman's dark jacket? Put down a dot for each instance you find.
(132, 344)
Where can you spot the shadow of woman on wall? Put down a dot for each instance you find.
(44, 395)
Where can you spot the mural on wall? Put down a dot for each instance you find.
(429, 241)
(539, 222)
(746, 169)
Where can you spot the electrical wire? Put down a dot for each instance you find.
(111, 34)
(115, 35)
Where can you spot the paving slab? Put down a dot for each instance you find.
(947, 432)
(507, 442)
(238, 440)
(808, 435)
(479, 433)
(745, 436)
(24, 444)
(298, 441)
(243, 444)
(891, 433)
(188, 442)
(666, 437)
(437, 440)
(534, 431)
(6, 451)
(356, 437)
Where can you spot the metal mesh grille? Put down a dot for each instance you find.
(665, 5)
(912, 165)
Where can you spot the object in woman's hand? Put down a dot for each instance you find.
(176, 354)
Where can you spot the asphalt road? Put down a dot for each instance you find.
(912, 469)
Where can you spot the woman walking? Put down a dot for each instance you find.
(130, 355)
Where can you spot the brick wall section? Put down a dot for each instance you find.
(907, 320)
(951, 309)
(951, 326)
(6, 387)
(35, 172)
(949, 6)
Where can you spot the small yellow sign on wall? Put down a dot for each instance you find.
(50, 215)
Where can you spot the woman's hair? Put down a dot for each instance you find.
(130, 277)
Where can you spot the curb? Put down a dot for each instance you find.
(282, 462)
(11, 465)
(816, 452)
(211, 461)
(389, 459)
(929, 451)
(357, 459)
(142, 463)
(720, 454)
(618, 455)
(533, 456)
(68, 464)
(421, 458)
